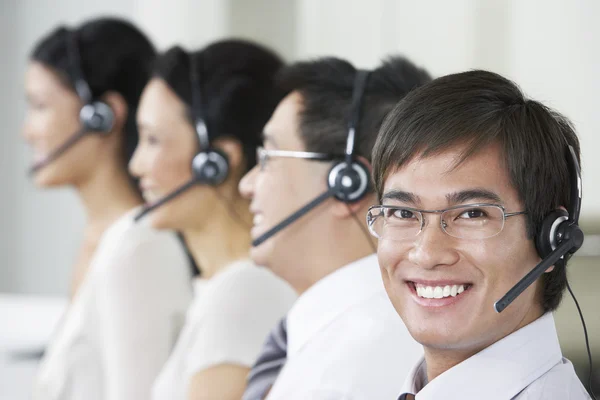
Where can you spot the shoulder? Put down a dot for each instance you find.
(244, 286)
(129, 250)
(376, 335)
(126, 234)
(377, 315)
(232, 315)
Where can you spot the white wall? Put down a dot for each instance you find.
(550, 48)
(555, 57)
(8, 159)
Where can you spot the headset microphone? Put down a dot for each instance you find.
(59, 151)
(573, 239)
(169, 197)
(558, 238)
(293, 217)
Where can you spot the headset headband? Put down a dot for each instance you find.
(360, 83)
(81, 86)
(197, 110)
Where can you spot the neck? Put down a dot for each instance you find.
(327, 259)
(439, 361)
(220, 240)
(102, 209)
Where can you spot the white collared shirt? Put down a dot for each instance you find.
(345, 340)
(525, 365)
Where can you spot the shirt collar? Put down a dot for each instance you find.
(500, 371)
(330, 297)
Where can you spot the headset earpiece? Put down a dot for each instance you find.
(210, 167)
(349, 184)
(97, 117)
(547, 239)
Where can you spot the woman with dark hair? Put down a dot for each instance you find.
(131, 284)
(200, 119)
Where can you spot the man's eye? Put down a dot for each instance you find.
(473, 213)
(400, 213)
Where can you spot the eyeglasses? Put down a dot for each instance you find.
(263, 155)
(469, 221)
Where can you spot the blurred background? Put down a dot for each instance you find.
(550, 48)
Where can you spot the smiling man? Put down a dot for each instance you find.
(467, 169)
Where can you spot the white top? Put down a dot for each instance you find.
(345, 340)
(525, 365)
(123, 321)
(228, 322)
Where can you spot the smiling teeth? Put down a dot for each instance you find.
(439, 292)
(257, 219)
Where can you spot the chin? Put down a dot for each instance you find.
(260, 255)
(48, 179)
(435, 336)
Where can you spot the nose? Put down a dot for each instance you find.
(433, 247)
(246, 186)
(136, 163)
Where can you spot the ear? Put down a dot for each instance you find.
(234, 150)
(119, 106)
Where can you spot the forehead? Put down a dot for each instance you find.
(434, 177)
(160, 105)
(283, 129)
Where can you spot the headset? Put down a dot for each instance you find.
(348, 180)
(95, 116)
(210, 166)
(558, 238)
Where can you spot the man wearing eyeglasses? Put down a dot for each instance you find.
(342, 338)
(467, 169)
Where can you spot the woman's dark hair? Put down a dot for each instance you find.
(237, 83)
(476, 109)
(114, 56)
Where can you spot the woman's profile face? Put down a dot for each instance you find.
(52, 118)
(163, 160)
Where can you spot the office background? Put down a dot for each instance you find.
(551, 48)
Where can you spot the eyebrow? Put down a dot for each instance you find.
(455, 198)
(400, 195)
(465, 196)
